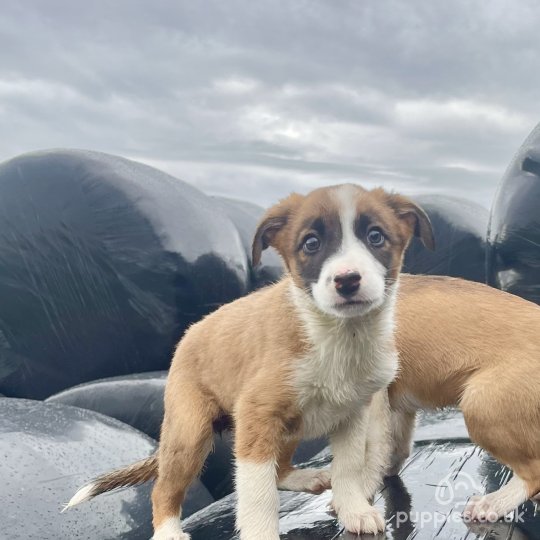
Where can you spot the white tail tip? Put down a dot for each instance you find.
(84, 494)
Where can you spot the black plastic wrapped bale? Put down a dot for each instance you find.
(49, 451)
(425, 503)
(103, 264)
(514, 231)
(441, 425)
(246, 216)
(460, 228)
(308, 449)
(137, 400)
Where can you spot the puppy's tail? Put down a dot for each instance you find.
(133, 475)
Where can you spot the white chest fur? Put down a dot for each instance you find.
(349, 360)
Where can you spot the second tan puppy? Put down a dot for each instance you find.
(469, 345)
(309, 356)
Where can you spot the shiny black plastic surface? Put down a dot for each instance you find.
(514, 231)
(425, 503)
(441, 425)
(48, 452)
(460, 228)
(103, 264)
(246, 216)
(137, 400)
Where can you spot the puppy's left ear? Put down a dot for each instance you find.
(416, 217)
(271, 225)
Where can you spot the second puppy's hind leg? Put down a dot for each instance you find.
(508, 429)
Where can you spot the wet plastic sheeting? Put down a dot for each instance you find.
(48, 452)
(246, 216)
(441, 425)
(460, 228)
(514, 232)
(308, 449)
(103, 264)
(137, 400)
(424, 504)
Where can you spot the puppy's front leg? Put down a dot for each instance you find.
(258, 443)
(351, 485)
(378, 444)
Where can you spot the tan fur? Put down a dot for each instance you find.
(240, 361)
(383, 206)
(466, 344)
(137, 473)
(221, 367)
(460, 343)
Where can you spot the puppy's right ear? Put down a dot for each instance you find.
(271, 224)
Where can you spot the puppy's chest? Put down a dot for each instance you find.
(336, 378)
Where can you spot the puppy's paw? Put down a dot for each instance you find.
(170, 529)
(365, 520)
(307, 480)
(483, 508)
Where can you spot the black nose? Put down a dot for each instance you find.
(348, 283)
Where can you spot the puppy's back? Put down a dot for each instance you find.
(257, 336)
(448, 328)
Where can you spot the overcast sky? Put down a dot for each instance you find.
(256, 98)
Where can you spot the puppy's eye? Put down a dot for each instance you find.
(375, 237)
(311, 244)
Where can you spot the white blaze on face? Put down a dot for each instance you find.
(352, 256)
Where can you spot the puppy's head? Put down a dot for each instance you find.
(343, 245)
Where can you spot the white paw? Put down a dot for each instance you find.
(366, 520)
(483, 508)
(307, 480)
(170, 529)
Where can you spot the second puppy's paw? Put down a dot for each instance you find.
(307, 480)
(483, 508)
(365, 520)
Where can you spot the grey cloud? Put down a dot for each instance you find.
(254, 99)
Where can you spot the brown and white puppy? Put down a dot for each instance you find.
(311, 355)
(469, 345)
